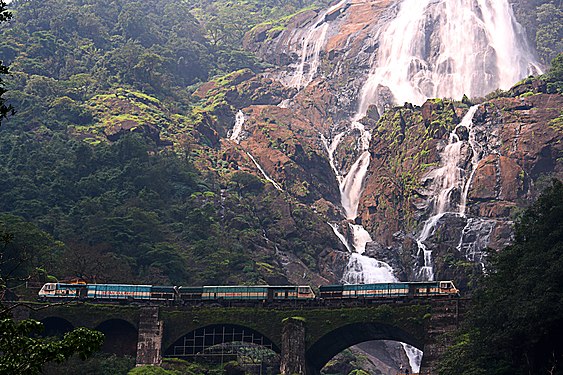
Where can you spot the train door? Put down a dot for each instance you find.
(82, 292)
(270, 294)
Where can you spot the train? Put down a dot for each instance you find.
(249, 294)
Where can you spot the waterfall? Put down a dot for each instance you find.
(471, 245)
(340, 236)
(365, 270)
(447, 180)
(311, 45)
(415, 357)
(448, 48)
(268, 178)
(430, 49)
(237, 128)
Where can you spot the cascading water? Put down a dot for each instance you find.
(266, 176)
(448, 48)
(235, 133)
(446, 180)
(431, 49)
(311, 46)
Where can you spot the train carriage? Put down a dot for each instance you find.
(238, 292)
(388, 290)
(190, 294)
(290, 292)
(119, 292)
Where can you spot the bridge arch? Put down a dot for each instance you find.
(55, 326)
(199, 340)
(334, 342)
(120, 337)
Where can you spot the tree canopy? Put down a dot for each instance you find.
(515, 325)
(4, 108)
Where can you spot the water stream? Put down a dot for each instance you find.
(311, 45)
(447, 180)
(266, 176)
(235, 134)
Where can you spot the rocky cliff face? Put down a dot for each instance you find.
(323, 58)
(292, 126)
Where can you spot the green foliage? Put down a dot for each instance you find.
(543, 22)
(24, 354)
(549, 35)
(98, 364)
(358, 372)
(150, 370)
(554, 76)
(5, 110)
(515, 325)
(23, 249)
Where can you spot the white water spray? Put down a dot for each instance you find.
(311, 46)
(448, 48)
(266, 176)
(447, 180)
(235, 134)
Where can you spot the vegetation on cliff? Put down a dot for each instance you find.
(110, 154)
(543, 21)
(515, 324)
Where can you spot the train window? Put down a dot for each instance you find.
(304, 290)
(446, 285)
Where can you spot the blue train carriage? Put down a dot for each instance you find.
(116, 292)
(190, 294)
(365, 291)
(108, 292)
(290, 292)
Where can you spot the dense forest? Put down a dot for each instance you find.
(140, 208)
(515, 324)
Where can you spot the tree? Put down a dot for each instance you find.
(22, 351)
(515, 325)
(25, 354)
(5, 110)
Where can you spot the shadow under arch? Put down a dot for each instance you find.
(55, 326)
(343, 337)
(120, 337)
(198, 340)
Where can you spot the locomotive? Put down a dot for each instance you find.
(247, 293)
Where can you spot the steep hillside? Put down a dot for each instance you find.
(110, 153)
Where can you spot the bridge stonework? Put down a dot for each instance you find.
(307, 338)
(149, 343)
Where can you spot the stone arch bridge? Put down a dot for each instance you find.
(306, 338)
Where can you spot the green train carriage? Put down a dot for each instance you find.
(388, 290)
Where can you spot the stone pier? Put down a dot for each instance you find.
(149, 344)
(445, 319)
(293, 347)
